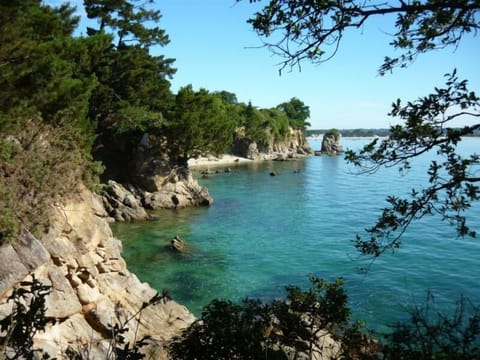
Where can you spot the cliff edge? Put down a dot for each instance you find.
(91, 287)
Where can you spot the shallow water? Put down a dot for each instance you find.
(265, 232)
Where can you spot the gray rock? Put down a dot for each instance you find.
(294, 145)
(19, 259)
(92, 288)
(62, 301)
(122, 205)
(178, 190)
(331, 145)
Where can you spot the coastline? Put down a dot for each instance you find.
(202, 163)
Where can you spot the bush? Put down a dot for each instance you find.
(303, 324)
(39, 164)
(333, 132)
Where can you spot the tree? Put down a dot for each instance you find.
(134, 93)
(306, 30)
(297, 113)
(227, 97)
(254, 124)
(45, 133)
(199, 124)
(44, 70)
(126, 21)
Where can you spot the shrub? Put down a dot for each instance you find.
(39, 164)
(299, 324)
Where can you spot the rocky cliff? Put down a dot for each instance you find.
(293, 145)
(91, 287)
(150, 181)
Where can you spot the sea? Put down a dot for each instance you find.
(265, 232)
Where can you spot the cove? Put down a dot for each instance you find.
(265, 232)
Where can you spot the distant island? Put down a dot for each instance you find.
(363, 132)
(351, 132)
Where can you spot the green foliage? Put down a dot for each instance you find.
(313, 30)
(297, 113)
(227, 97)
(39, 163)
(333, 132)
(276, 122)
(127, 21)
(254, 124)
(133, 91)
(45, 134)
(452, 183)
(133, 95)
(199, 124)
(44, 70)
(434, 335)
(256, 330)
(25, 320)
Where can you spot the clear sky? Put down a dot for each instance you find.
(216, 49)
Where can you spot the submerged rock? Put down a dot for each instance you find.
(177, 244)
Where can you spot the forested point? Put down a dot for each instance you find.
(67, 100)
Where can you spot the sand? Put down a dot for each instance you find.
(212, 161)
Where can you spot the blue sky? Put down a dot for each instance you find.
(216, 49)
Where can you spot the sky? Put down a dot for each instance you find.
(216, 49)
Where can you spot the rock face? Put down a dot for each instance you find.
(121, 204)
(293, 146)
(91, 287)
(151, 182)
(331, 145)
(176, 189)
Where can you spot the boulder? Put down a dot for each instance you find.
(20, 258)
(122, 205)
(177, 189)
(177, 244)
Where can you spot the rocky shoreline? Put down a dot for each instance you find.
(92, 292)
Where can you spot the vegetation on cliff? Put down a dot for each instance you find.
(66, 101)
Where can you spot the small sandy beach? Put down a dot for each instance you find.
(212, 161)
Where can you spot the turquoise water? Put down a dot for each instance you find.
(265, 232)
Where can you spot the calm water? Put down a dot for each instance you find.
(265, 232)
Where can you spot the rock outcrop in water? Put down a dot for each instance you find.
(178, 189)
(331, 144)
(91, 287)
